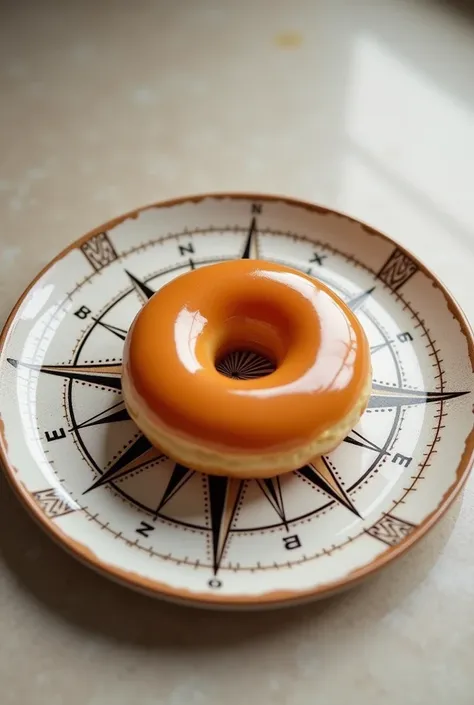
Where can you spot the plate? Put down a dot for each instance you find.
(86, 473)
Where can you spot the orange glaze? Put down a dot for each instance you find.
(319, 347)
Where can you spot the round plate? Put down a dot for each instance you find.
(93, 481)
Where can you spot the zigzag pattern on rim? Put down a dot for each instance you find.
(243, 364)
(391, 530)
(53, 504)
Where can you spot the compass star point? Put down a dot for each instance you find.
(380, 346)
(357, 301)
(138, 454)
(114, 413)
(115, 330)
(357, 439)
(103, 375)
(143, 290)
(385, 396)
(271, 488)
(224, 497)
(179, 477)
(320, 474)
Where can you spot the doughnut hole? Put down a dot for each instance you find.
(252, 341)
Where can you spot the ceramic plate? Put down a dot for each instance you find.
(90, 478)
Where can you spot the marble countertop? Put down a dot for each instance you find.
(363, 106)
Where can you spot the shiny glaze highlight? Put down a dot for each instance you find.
(318, 345)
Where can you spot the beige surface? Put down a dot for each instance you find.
(363, 106)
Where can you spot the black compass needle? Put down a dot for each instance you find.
(247, 253)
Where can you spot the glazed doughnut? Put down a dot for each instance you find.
(246, 428)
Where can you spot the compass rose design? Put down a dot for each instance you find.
(225, 496)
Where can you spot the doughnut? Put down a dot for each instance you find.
(246, 428)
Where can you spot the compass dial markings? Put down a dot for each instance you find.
(188, 249)
(317, 258)
(320, 474)
(224, 495)
(426, 458)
